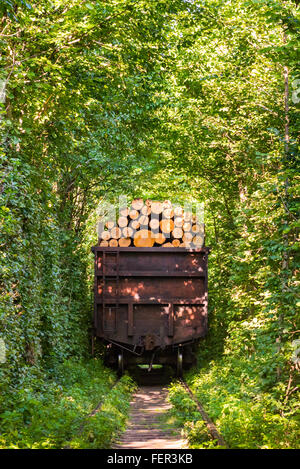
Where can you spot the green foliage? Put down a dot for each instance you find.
(102, 429)
(243, 397)
(183, 405)
(165, 99)
(52, 410)
(184, 409)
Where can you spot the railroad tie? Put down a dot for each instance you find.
(146, 429)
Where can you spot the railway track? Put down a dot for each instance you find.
(209, 423)
(148, 428)
(91, 414)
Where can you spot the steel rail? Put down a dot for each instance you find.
(91, 414)
(209, 423)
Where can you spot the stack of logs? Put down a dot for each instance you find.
(152, 223)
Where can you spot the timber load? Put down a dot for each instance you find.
(153, 224)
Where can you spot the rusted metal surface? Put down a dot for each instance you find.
(150, 298)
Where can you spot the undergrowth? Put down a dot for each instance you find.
(248, 411)
(186, 415)
(247, 414)
(52, 410)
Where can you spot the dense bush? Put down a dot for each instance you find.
(51, 410)
(186, 414)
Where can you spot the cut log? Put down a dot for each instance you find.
(154, 223)
(110, 224)
(134, 214)
(127, 232)
(166, 204)
(113, 243)
(170, 226)
(187, 237)
(124, 242)
(185, 245)
(177, 233)
(159, 238)
(198, 241)
(116, 232)
(143, 239)
(167, 213)
(187, 226)
(134, 224)
(105, 235)
(156, 207)
(201, 228)
(104, 243)
(166, 226)
(137, 204)
(122, 222)
(176, 243)
(145, 210)
(187, 216)
(178, 221)
(196, 228)
(124, 212)
(178, 211)
(143, 220)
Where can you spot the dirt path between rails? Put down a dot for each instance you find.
(147, 429)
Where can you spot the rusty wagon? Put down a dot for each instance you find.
(150, 304)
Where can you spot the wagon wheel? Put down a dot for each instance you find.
(179, 362)
(120, 363)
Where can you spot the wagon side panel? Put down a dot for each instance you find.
(150, 297)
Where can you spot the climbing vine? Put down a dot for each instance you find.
(164, 99)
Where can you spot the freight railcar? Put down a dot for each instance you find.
(150, 304)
